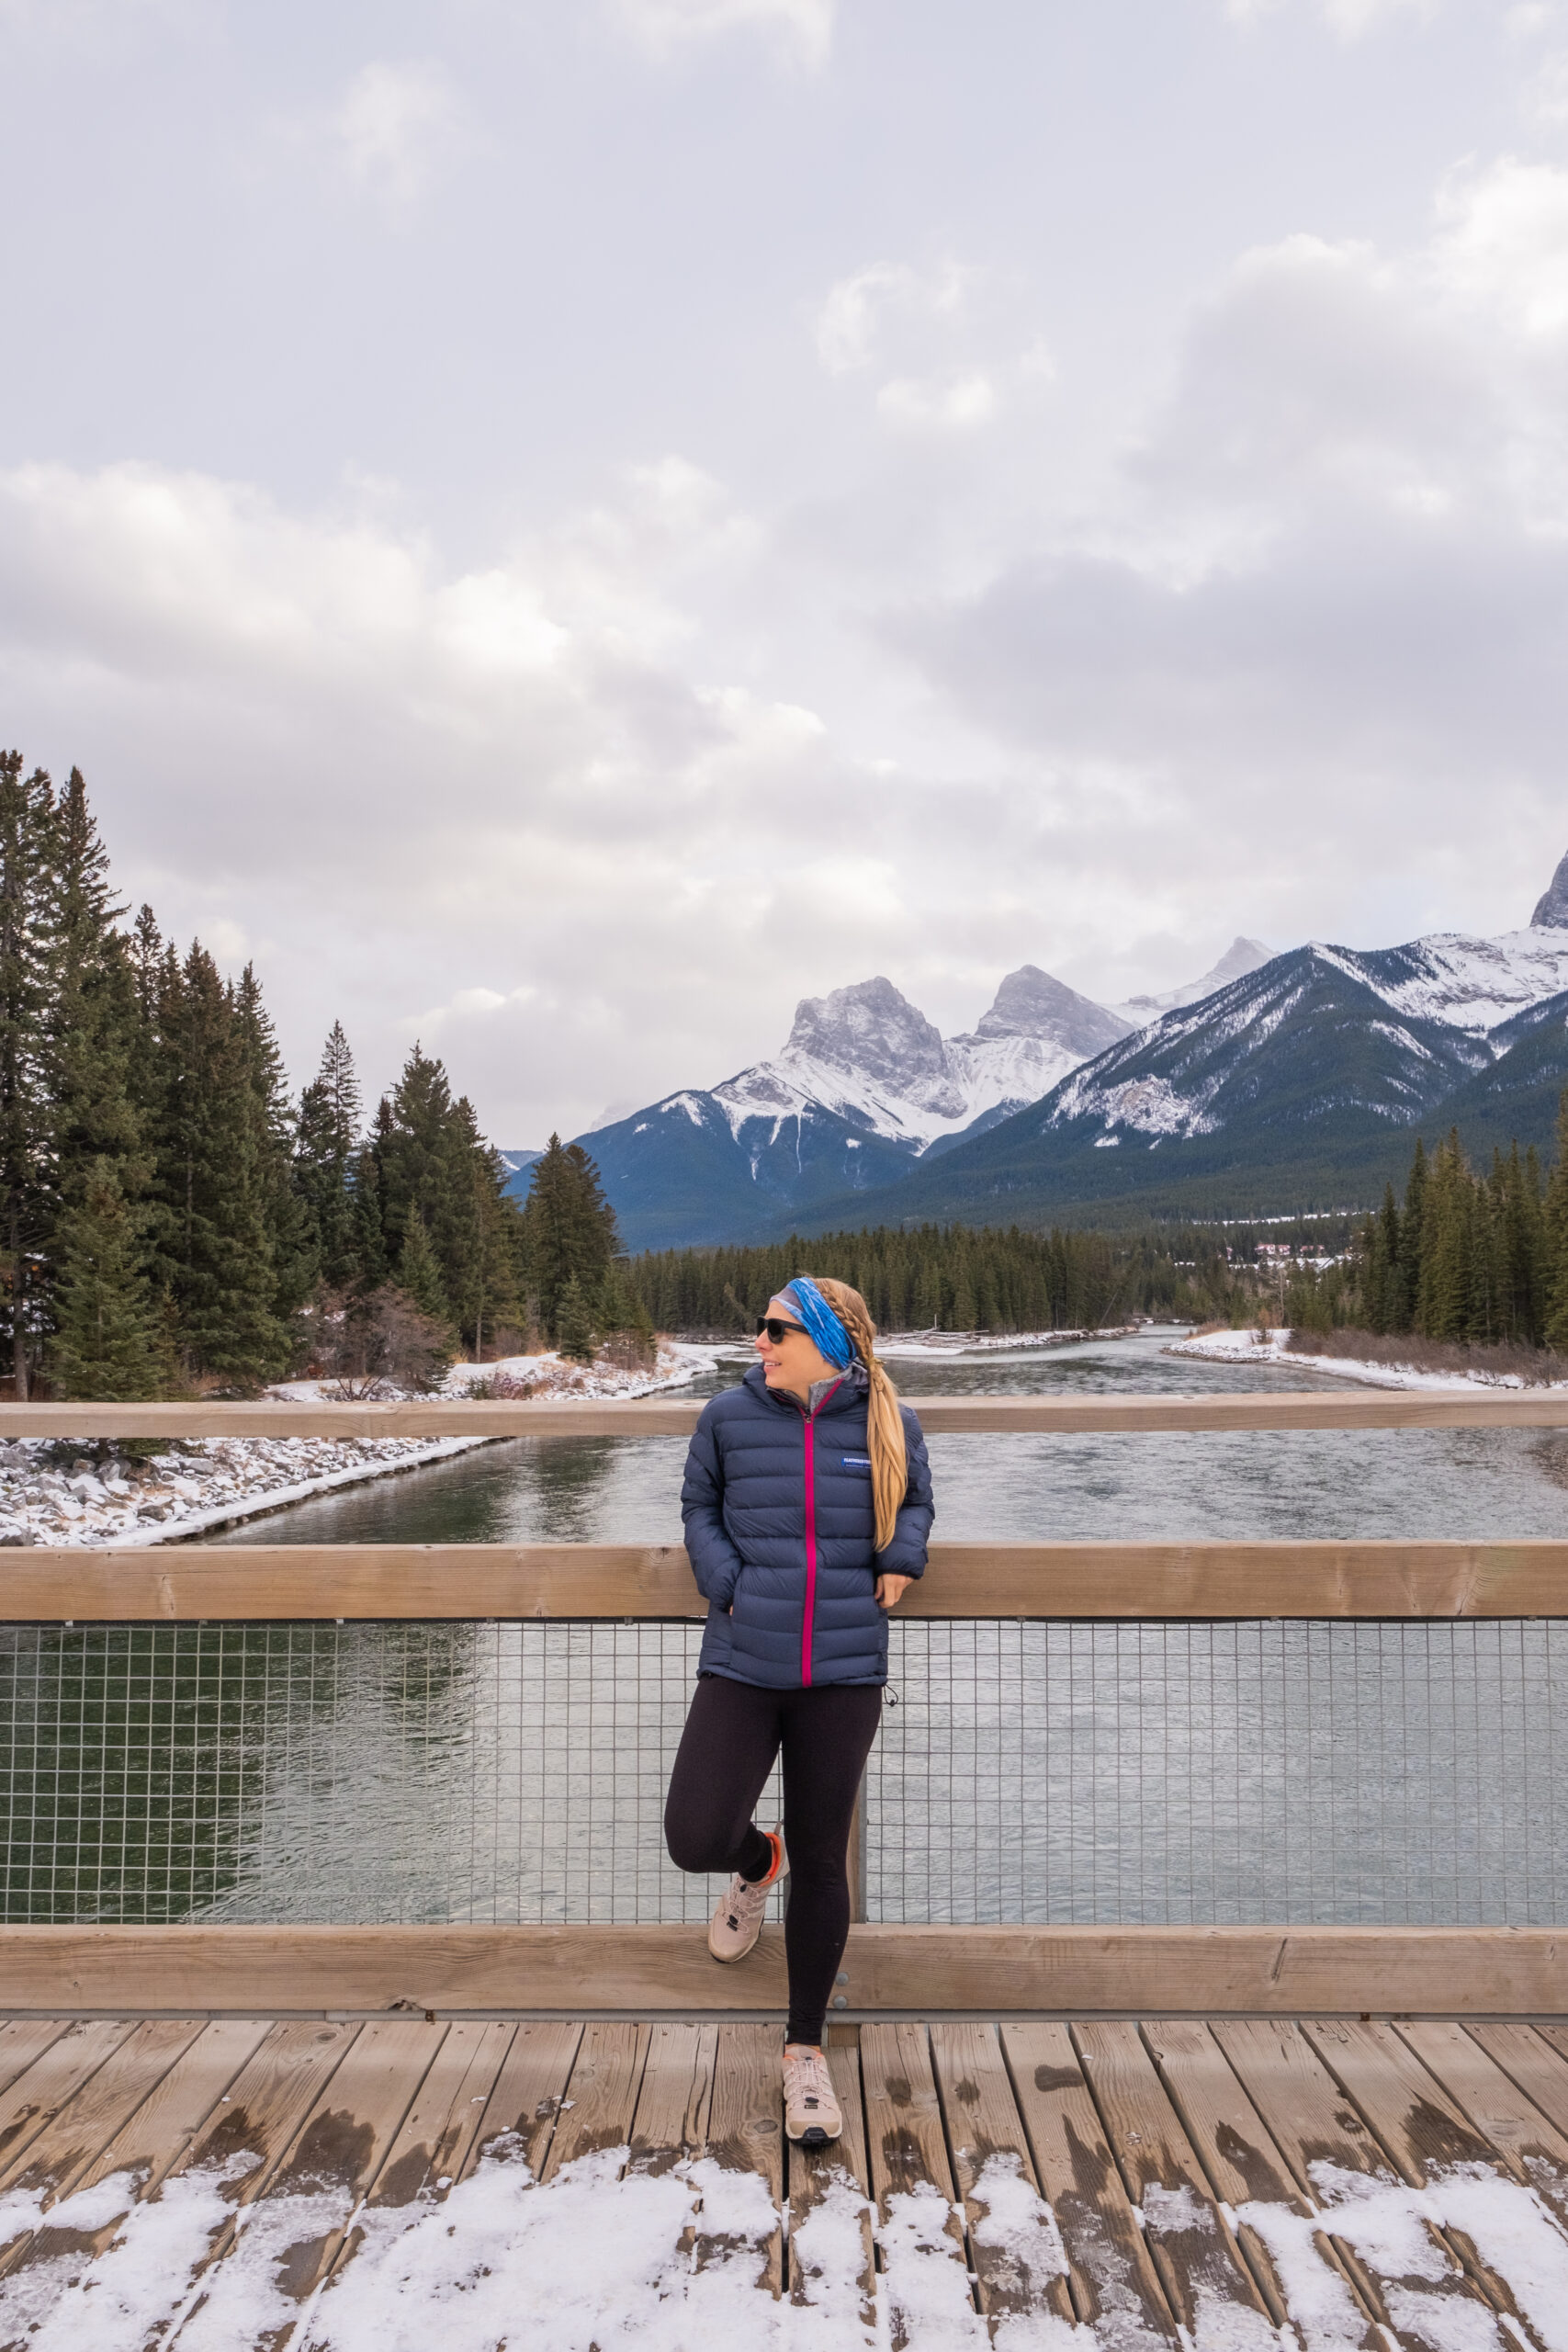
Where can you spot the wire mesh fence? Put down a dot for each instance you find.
(1279, 1771)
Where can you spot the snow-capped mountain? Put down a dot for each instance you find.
(1243, 956)
(863, 1086)
(1297, 1084)
(866, 1054)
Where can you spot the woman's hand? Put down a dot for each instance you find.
(890, 1590)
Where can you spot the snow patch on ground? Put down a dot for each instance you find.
(212, 1482)
(1244, 1347)
(975, 1343)
(605, 2257)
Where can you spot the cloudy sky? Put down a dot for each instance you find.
(561, 526)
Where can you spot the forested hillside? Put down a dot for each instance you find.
(170, 1220)
(962, 1278)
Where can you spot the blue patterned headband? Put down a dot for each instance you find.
(820, 1324)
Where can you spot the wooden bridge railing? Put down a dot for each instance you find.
(890, 1971)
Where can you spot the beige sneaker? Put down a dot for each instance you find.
(811, 2111)
(737, 1919)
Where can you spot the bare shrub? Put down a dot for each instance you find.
(366, 1344)
(504, 1386)
(1406, 1351)
(628, 1351)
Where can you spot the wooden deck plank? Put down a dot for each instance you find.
(1313, 2123)
(601, 2096)
(819, 2174)
(520, 2118)
(23, 2042)
(447, 2115)
(1513, 2126)
(672, 2118)
(1114, 2278)
(63, 2150)
(1530, 2058)
(984, 2128)
(1199, 2262)
(1240, 2161)
(1423, 2127)
(253, 2126)
(150, 2142)
(55, 2077)
(335, 2156)
(907, 2154)
(745, 2134)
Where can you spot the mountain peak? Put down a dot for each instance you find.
(1031, 1003)
(870, 1029)
(1552, 907)
(1242, 956)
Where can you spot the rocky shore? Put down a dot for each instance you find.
(91, 1497)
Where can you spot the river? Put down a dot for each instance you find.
(1094, 1773)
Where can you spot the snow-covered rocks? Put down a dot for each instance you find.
(212, 1482)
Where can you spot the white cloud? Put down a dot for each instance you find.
(802, 28)
(959, 405)
(1350, 19)
(394, 125)
(862, 311)
(1504, 239)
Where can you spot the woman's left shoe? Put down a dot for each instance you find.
(811, 2111)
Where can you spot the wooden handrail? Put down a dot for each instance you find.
(1336, 1408)
(456, 1582)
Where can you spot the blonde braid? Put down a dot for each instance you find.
(884, 1421)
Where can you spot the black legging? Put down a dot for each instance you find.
(733, 1733)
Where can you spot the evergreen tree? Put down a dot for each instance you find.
(1443, 1303)
(1412, 1238)
(419, 1276)
(107, 1342)
(325, 1137)
(1555, 1241)
(30, 963)
(575, 1333)
(569, 1229)
(215, 1244)
(289, 1240)
(486, 1235)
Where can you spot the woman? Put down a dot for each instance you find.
(806, 1502)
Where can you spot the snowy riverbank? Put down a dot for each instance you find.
(1245, 1346)
(50, 1495)
(977, 1343)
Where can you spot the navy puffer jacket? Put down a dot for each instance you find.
(780, 1533)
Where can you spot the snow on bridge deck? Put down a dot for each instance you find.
(458, 2186)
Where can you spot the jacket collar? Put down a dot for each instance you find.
(847, 1388)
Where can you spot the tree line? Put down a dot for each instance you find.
(1474, 1255)
(172, 1220)
(950, 1278)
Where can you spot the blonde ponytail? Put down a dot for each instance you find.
(884, 1421)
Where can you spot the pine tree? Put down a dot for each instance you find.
(325, 1137)
(1412, 1242)
(215, 1226)
(575, 1333)
(569, 1229)
(1554, 1241)
(107, 1339)
(419, 1275)
(1443, 1305)
(30, 959)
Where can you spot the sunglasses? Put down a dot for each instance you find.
(775, 1327)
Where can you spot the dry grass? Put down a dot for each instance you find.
(1537, 1367)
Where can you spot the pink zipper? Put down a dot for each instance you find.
(808, 1621)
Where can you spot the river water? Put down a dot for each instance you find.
(1275, 1772)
